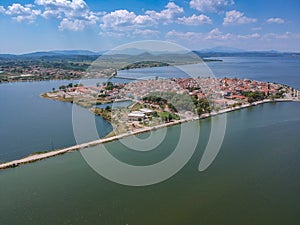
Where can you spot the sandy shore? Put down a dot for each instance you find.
(37, 157)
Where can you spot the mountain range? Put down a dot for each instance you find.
(218, 51)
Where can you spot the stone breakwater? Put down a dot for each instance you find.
(37, 157)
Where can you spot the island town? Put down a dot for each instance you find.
(160, 101)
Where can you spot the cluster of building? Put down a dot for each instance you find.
(221, 93)
(89, 92)
(212, 88)
(235, 87)
(36, 73)
(139, 89)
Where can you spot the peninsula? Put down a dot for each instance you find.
(160, 103)
(157, 101)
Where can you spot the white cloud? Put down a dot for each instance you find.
(2, 9)
(21, 13)
(194, 20)
(249, 36)
(286, 35)
(122, 23)
(126, 21)
(213, 35)
(74, 15)
(236, 17)
(74, 25)
(118, 18)
(190, 36)
(145, 33)
(144, 20)
(167, 15)
(16, 9)
(64, 8)
(112, 34)
(216, 34)
(251, 41)
(210, 5)
(133, 34)
(63, 5)
(121, 20)
(276, 20)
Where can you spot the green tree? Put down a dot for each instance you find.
(108, 108)
(109, 86)
(62, 87)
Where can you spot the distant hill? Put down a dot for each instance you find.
(142, 54)
(247, 54)
(138, 51)
(75, 52)
(60, 53)
(6, 56)
(222, 49)
(39, 54)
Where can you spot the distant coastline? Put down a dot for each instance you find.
(72, 65)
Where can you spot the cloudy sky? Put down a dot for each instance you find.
(38, 25)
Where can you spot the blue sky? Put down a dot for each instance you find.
(39, 25)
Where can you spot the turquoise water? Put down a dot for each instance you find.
(253, 180)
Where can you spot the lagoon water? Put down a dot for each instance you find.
(253, 180)
(29, 123)
(283, 70)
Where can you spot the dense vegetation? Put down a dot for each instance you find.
(105, 113)
(45, 68)
(254, 96)
(144, 64)
(175, 102)
(42, 66)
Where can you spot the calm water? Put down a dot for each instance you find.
(29, 123)
(253, 180)
(284, 70)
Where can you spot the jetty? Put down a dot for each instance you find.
(41, 156)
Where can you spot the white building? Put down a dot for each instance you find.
(146, 111)
(136, 115)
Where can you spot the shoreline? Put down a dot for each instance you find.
(37, 157)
